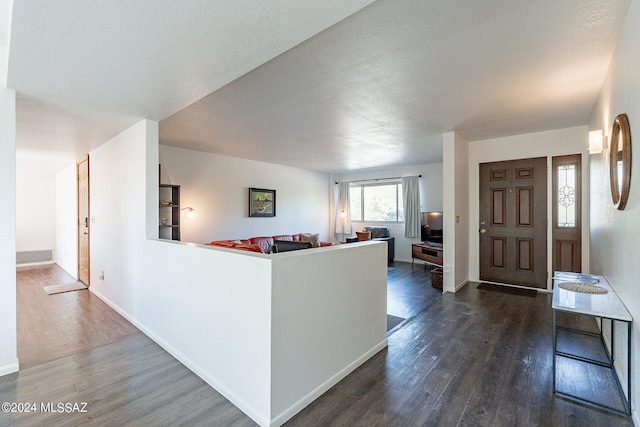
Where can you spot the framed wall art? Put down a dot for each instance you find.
(262, 202)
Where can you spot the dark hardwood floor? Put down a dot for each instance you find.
(409, 289)
(475, 358)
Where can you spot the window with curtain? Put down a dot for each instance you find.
(377, 202)
(411, 195)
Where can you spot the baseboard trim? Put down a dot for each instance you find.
(34, 264)
(461, 284)
(245, 407)
(320, 390)
(9, 368)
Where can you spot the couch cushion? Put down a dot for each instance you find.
(248, 247)
(286, 237)
(377, 231)
(264, 243)
(242, 241)
(363, 235)
(222, 243)
(308, 237)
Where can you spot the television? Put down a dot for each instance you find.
(287, 245)
(431, 229)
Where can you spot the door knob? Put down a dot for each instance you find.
(483, 230)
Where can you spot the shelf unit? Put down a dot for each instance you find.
(170, 212)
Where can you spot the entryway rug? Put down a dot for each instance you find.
(508, 290)
(67, 287)
(393, 321)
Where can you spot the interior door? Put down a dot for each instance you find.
(513, 222)
(82, 169)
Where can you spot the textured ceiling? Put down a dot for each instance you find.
(375, 90)
(86, 70)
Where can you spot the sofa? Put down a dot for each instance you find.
(263, 244)
(382, 233)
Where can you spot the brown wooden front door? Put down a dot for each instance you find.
(82, 169)
(513, 222)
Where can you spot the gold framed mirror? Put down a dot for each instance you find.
(620, 161)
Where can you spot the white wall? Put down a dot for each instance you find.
(66, 217)
(36, 202)
(540, 144)
(213, 308)
(176, 293)
(8, 343)
(217, 187)
(166, 289)
(118, 207)
(615, 234)
(456, 208)
(430, 200)
(335, 325)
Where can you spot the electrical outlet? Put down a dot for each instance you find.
(101, 277)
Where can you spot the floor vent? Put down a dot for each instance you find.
(27, 257)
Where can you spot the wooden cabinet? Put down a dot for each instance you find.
(169, 212)
(427, 253)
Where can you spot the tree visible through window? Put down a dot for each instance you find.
(377, 202)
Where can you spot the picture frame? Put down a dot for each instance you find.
(262, 202)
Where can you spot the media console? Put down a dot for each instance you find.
(428, 253)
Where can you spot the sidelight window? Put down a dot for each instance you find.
(566, 192)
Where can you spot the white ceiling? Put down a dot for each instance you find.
(86, 70)
(262, 80)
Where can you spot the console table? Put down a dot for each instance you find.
(429, 253)
(603, 306)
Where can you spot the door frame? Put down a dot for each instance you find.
(509, 178)
(474, 208)
(566, 237)
(78, 219)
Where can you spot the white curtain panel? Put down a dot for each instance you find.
(343, 213)
(411, 197)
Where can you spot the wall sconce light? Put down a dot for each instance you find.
(595, 142)
(191, 213)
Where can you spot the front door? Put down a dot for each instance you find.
(513, 222)
(82, 169)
